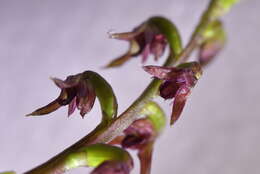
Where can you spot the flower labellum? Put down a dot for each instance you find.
(178, 82)
(144, 40)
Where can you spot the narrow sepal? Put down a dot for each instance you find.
(53, 106)
(145, 158)
(179, 103)
(72, 106)
(119, 61)
(159, 71)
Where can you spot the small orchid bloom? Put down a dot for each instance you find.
(144, 40)
(80, 91)
(144, 130)
(142, 134)
(178, 82)
(75, 92)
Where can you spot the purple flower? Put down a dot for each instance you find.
(140, 133)
(140, 136)
(75, 92)
(178, 82)
(144, 40)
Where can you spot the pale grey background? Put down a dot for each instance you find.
(219, 129)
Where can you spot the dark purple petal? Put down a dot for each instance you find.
(85, 98)
(66, 96)
(70, 81)
(133, 141)
(158, 46)
(168, 89)
(149, 34)
(112, 167)
(145, 53)
(159, 72)
(72, 106)
(179, 103)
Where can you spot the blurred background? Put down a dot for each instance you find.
(219, 128)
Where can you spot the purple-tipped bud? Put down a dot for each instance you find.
(214, 42)
(209, 50)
